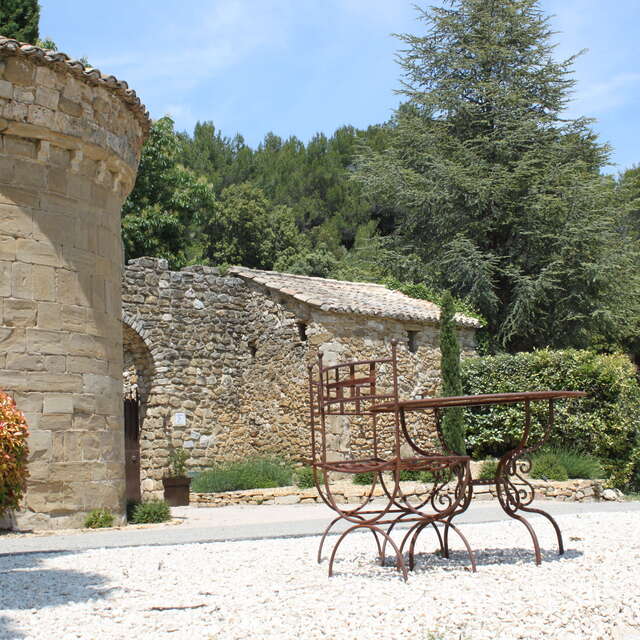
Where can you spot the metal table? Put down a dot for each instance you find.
(514, 498)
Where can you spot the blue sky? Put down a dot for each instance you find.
(296, 67)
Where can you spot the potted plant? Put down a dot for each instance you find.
(177, 483)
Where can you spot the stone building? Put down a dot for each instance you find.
(70, 141)
(219, 362)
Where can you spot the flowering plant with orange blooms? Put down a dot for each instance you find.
(13, 453)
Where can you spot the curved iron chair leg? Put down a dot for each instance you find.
(534, 537)
(384, 543)
(445, 545)
(324, 535)
(326, 532)
(471, 554)
(553, 523)
(412, 546)
(400, 561)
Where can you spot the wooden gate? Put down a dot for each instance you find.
(132, 447)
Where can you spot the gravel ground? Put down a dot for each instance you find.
(270, 589)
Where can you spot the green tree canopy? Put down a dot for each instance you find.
(247, 229)
(165, 213)
(499, 194)
(19, 19)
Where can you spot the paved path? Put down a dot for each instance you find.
(245, 522)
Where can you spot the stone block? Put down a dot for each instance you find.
(19, 313)
(44, 282)
(20, 71)
(13, 381)
(82, 345)
(68, 290)
(57, 180)
(39, 446)
(30, 174)
(54, 403)
(21, 280)
(47, 342)
(56, 422)
(83, 364)
(74, 318)
(47, 97)
(5, 278)
(22, 147)
(7, 252)
(13, 340)
(29, 402)
(15, 220)
(25, 362)
(46, 77)
(6, 89)
(40, 251)
(49, 315)
(55, 382)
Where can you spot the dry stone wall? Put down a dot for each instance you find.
(69, 147)
(232, 356)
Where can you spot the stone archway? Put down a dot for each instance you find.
(138, 376)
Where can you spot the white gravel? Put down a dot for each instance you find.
(274, 589)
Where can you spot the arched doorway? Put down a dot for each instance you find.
(138, 373)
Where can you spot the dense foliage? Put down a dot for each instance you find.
(605, 424)
(452, 418)
(252, 473)
(13, 454)
(19, 19)
(497, 192)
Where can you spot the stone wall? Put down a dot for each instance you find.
(69, 147)
(348, 493)
(232, 356)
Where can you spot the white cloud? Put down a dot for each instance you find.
(595, 98)
(221, 35)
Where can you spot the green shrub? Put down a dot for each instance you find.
(548, 467)
(98, 519)
(577, 464)
(488, 470)
(178, 462)
(13, 454)
(151, 511)
(363, 478)
(254, 473)
(304, 478)
(605, 423)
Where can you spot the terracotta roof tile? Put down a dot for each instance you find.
(339, 296)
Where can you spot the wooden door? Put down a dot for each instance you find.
(132, 447)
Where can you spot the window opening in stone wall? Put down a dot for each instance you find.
(412, 341)
(302, 331)
(252, 348)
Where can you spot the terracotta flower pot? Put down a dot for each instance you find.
(176, 491)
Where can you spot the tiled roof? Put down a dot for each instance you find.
(339, 296)
(8, 46)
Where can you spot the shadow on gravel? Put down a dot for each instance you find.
(484, 557)
(27, 586)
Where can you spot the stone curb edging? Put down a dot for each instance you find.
(344, 492)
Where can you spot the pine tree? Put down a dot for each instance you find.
(19, 19)
(453, 418)
(502, 195)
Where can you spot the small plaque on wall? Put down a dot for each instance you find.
(179, 419)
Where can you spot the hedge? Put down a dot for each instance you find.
(13, 454)
(605, 424)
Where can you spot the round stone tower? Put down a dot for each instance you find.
(70, 141)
